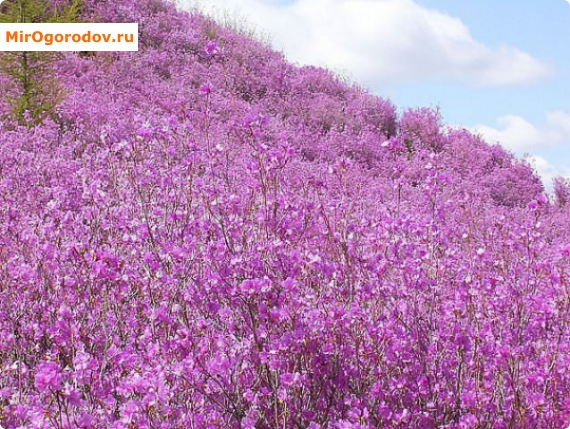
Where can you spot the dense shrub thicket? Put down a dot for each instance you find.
(208, 237)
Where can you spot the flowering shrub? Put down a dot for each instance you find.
(212, 238)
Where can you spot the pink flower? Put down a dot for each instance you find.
(212, 49)
(207, 88)
(48, 376)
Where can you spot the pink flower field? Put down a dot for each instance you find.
(204, 236)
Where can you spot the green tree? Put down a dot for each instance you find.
(34, 87)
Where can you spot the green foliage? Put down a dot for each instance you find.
(36, 91)
(34, 87)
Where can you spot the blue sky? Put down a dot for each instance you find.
(499, 68)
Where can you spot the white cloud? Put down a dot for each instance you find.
(546, 171)
(381, 41)
(517, 134)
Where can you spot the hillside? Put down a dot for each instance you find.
(205, 236)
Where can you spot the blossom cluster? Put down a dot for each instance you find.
(209, 237)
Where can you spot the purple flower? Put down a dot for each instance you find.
(207, 88)
(48, 376)
(212, 49)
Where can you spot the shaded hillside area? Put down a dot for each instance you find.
(201, 235)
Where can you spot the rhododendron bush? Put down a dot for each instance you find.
(208, 237)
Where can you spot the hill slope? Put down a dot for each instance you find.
(209, 237)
